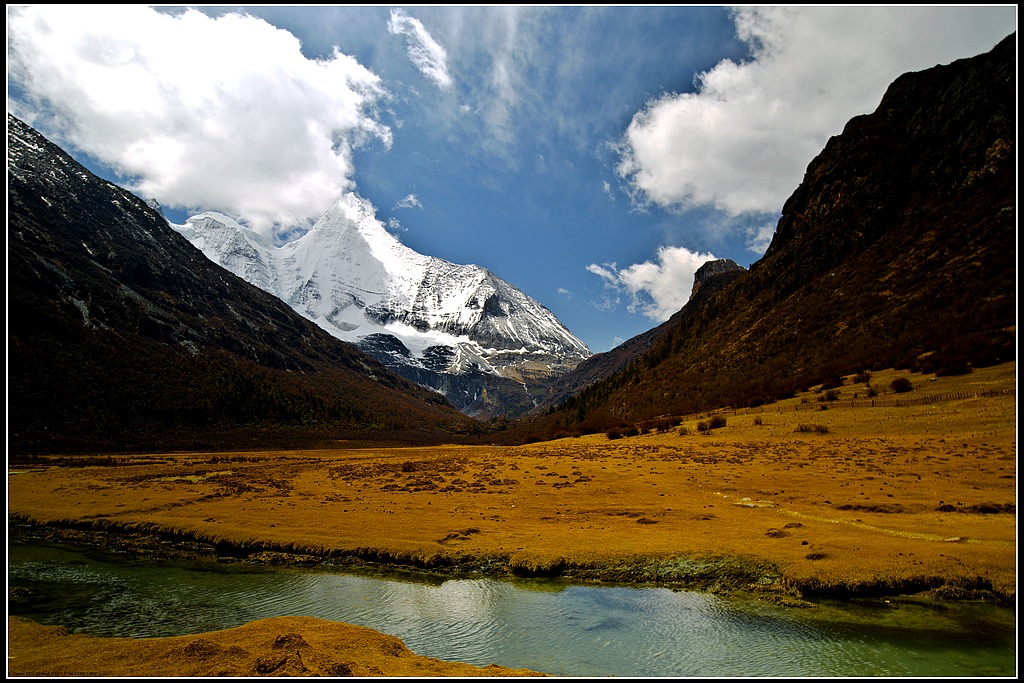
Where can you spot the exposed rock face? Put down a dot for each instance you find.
(714, 276)
(121, 334)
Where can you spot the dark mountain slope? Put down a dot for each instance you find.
(710, 278)
(898, 249)
(121, 335)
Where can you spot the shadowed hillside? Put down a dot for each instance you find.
(897, 250)
(710, 278)
(123, 336)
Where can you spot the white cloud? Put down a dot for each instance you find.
(658, 289)
(426, 53)
(215, 113)
(564, 292)
(504, 56)
(743, 140)
(607, 303)
(607, 272)
(409, 201)
(607, 189)
(759, 238)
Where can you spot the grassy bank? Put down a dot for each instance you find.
(283, 646)
(819, 495)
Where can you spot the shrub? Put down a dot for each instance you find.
(831, 382)
(820, 429)
(758, 421)
(716, 422)
(664, 424)
(614, 433)
(863, 377)
(684, 431)
(954, 369)
(901, 385)
(830, 395)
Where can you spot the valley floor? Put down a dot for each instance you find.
(789, 503)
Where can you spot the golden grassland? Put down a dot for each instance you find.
(283, 646)
(792, 500)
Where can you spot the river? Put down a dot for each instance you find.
(543, 625)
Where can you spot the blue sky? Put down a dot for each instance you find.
(593, 156)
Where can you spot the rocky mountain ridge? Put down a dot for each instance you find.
(711, 278)
(457, 329)
(122, 336)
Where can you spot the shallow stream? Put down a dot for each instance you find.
(541, 625)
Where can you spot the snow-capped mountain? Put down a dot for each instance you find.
(457, 328)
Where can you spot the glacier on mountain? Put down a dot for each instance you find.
(361, 284)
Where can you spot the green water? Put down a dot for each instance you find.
(546, 626)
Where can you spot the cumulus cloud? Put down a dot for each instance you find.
(426, 54)
(409, 201)
(199, 112)
(657, 289)
(742, 141)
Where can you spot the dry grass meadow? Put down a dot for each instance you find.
(792, 500)
(830, 498)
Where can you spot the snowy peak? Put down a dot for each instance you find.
(225, 241)
(357, 281)
(346, 260)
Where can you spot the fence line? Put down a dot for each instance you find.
(886, 401)
(874, 402)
